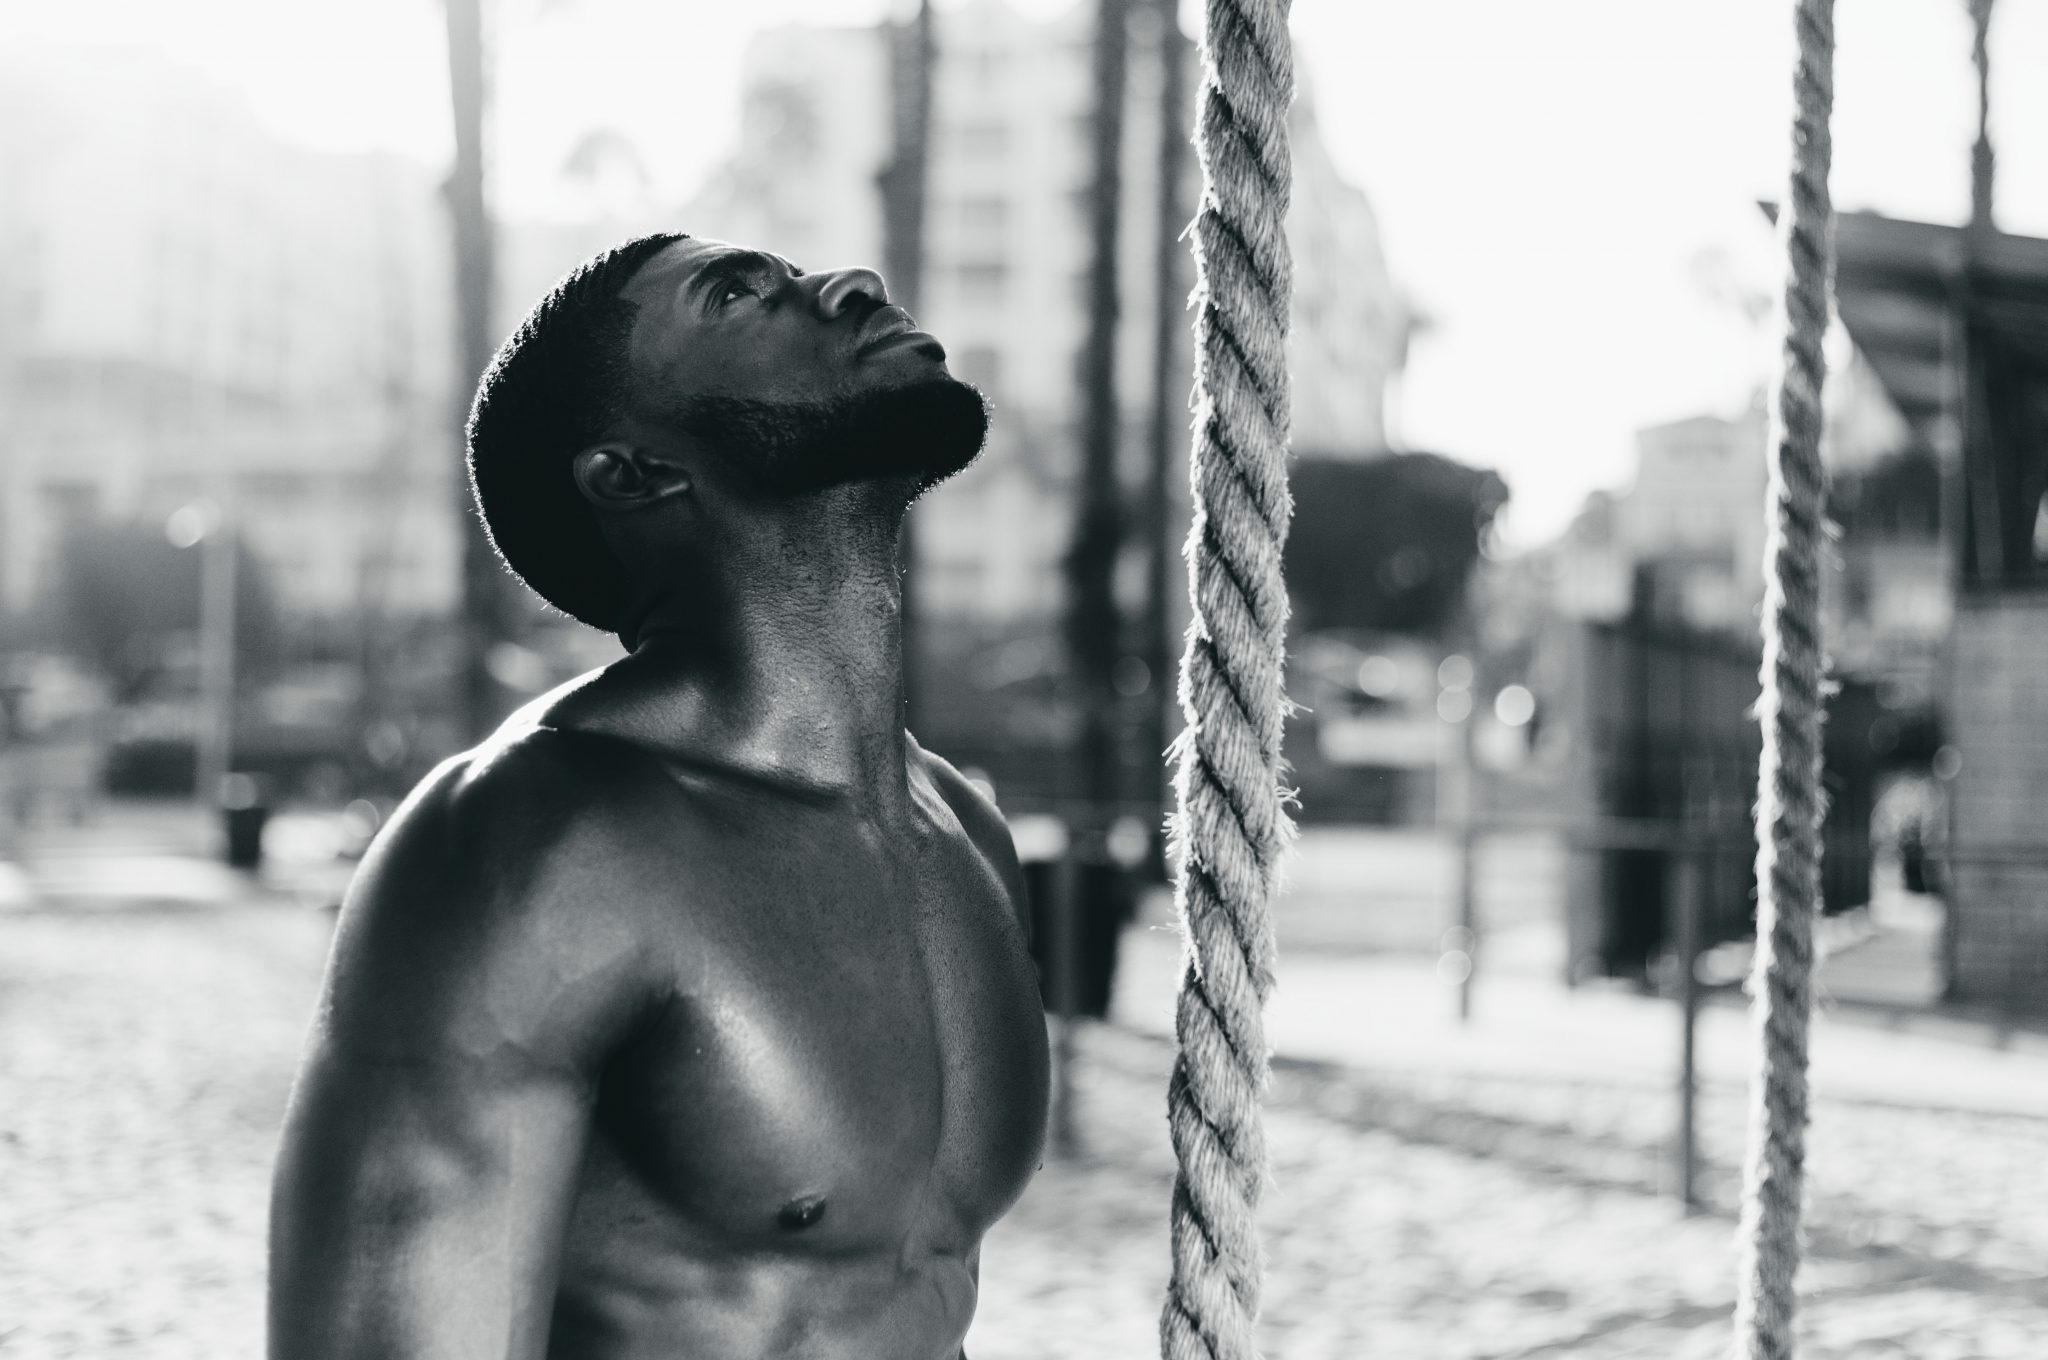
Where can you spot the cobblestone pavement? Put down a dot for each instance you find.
(145, 1058)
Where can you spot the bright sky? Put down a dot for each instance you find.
(1567, 190)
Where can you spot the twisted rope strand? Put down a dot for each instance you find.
(1790, 802)
(1229, 823)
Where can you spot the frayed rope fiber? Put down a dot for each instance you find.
(1230, 822)
(1790, 803)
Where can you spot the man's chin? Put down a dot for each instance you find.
(926, 431)
(917, 434)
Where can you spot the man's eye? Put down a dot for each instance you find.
(734, 288)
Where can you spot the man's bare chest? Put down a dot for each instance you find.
(855, 1055)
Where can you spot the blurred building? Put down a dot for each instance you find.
(191, 310)
(1688, 530)
(1583, 574)
(1007, 260)
(1955, 321)
(1694, 517)
(1685, 540)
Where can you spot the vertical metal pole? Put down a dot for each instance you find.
(1065, 962)
(1685, 901)
(1943, 869)
(1954, 453)
(1457, 809)
(1468, 856)
(216, 656)
(212, 373)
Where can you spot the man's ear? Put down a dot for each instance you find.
(621, 476)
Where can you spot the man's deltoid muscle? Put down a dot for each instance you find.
(690, 1015)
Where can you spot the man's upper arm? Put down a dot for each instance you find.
(434, 1140)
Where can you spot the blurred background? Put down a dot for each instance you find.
(253, 256)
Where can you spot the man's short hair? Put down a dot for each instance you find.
(554, 389)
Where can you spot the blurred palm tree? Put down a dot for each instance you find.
(1170, 378)
(1094, 632)
(482, 615)
(912, 54)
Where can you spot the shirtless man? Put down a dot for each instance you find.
(690, 1015)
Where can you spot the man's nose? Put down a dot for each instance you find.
(845, 290)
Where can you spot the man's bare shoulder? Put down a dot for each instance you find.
(506, 812)
(977, 811)
(491, 903)
(983, 822)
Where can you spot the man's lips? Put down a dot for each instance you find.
(891, 323)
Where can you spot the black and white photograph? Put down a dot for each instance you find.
(1023, 679)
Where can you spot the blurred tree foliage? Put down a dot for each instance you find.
(1387, 543)
(127, 601)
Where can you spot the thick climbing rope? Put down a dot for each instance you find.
(1230, 824)
(1790, 803)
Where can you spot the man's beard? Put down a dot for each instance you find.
(922, 434)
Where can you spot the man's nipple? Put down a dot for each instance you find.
(799, 1214)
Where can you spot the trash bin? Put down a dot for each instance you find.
(244, 809)
(1105, 900)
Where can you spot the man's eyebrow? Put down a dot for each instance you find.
(734, 264)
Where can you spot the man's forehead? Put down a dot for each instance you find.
(676, 263)
(671, 264)
(659, 289)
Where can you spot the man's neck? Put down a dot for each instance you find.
(785, 651)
